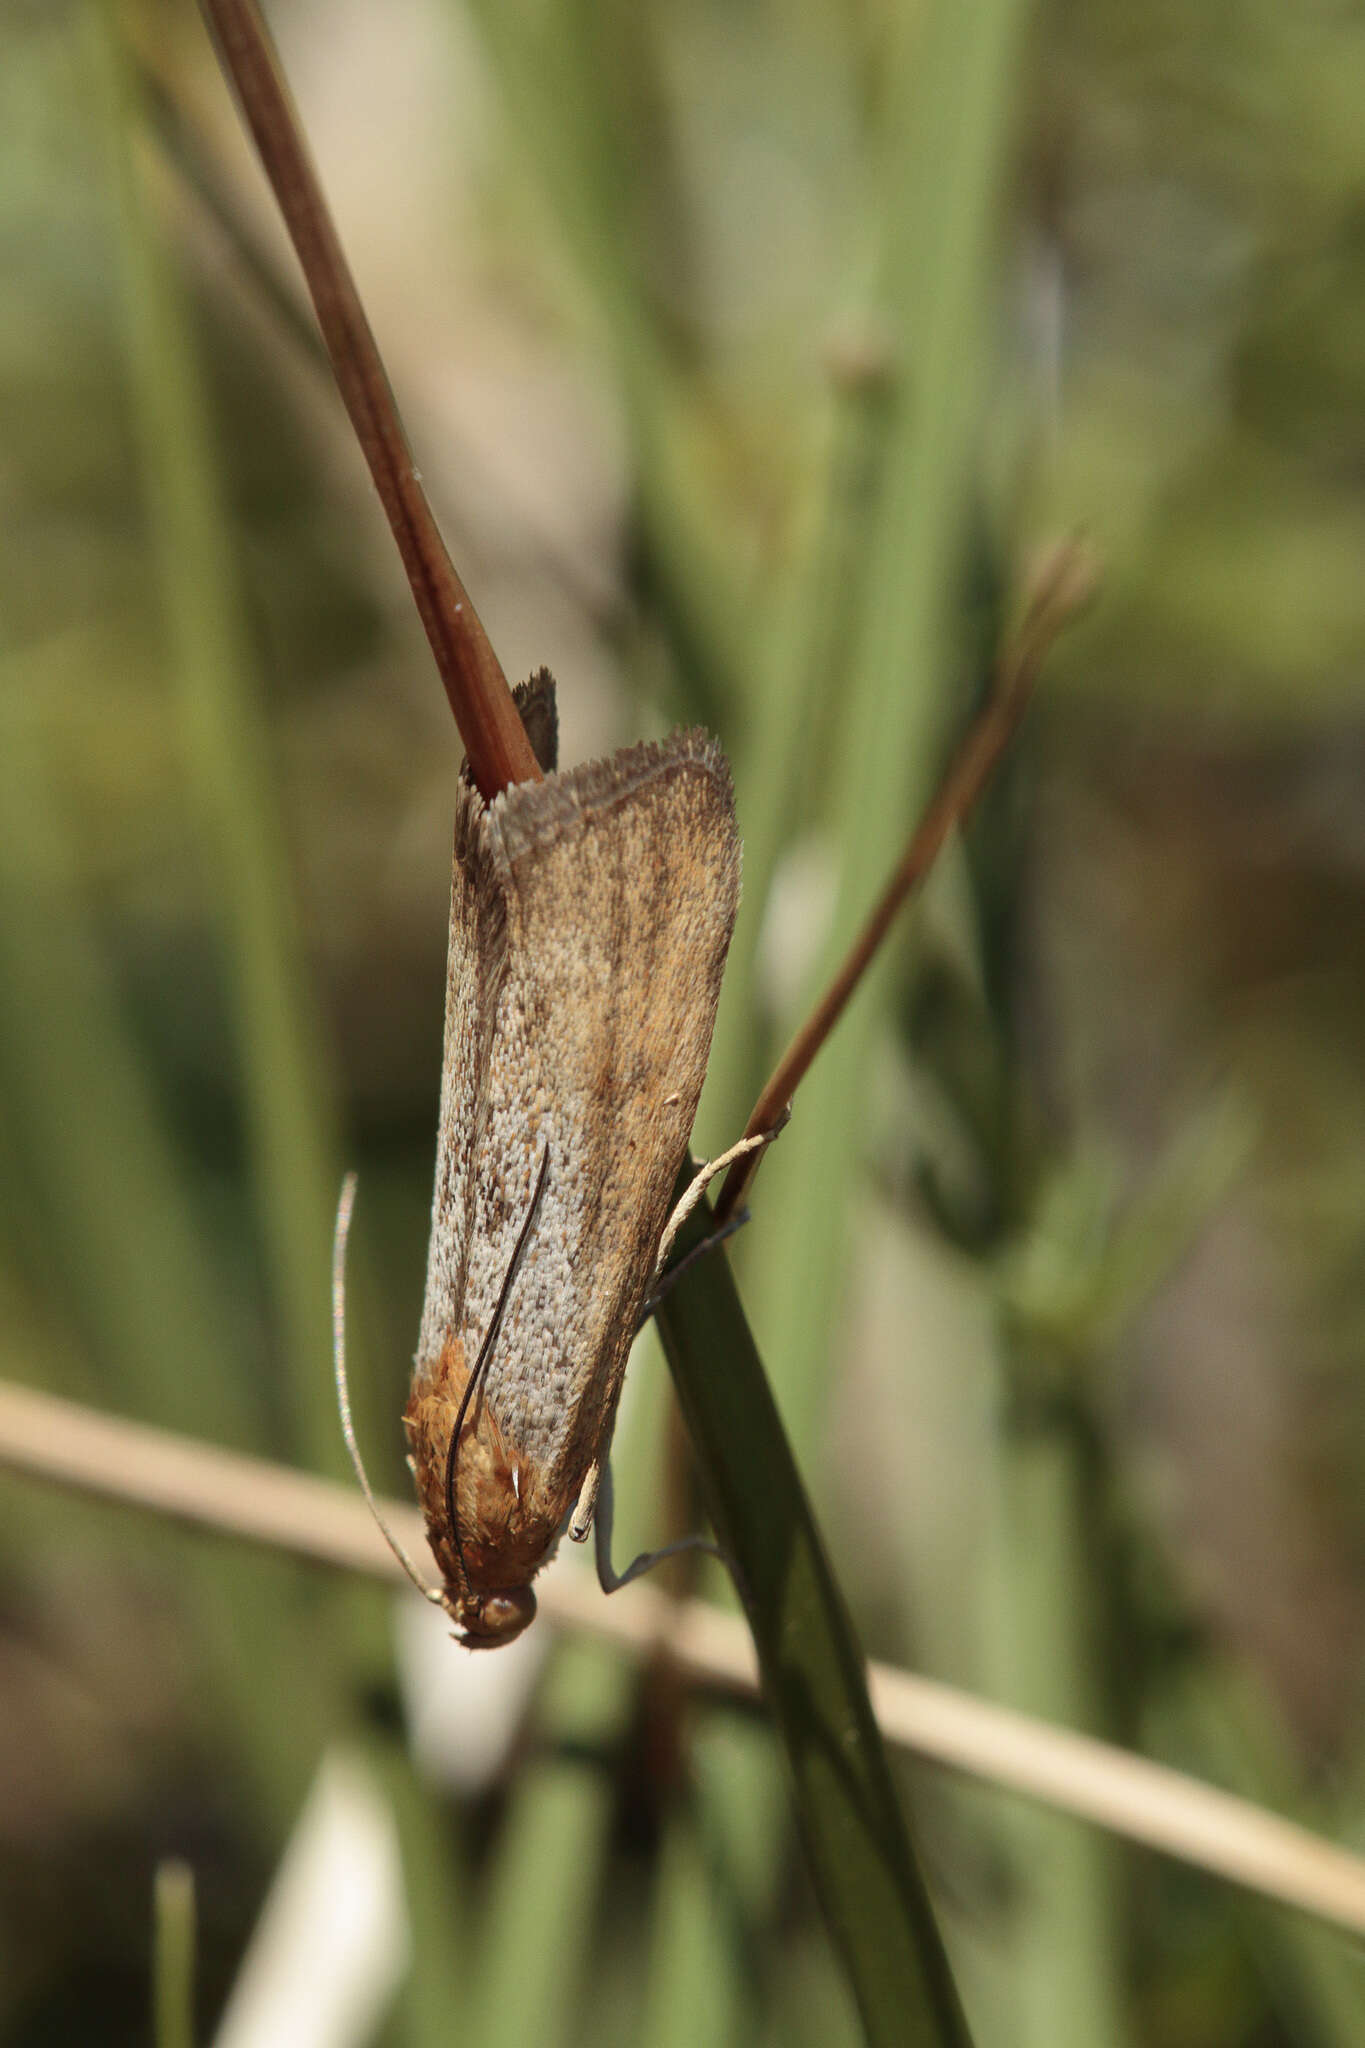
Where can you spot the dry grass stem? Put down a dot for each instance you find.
(312, 1518)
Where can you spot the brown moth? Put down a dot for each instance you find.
(590, 917)
(591, 913)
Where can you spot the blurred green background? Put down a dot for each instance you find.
(749, 353)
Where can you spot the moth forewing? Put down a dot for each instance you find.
(590, 918)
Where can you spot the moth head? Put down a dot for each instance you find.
(485, 1621)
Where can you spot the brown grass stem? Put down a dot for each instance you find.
(498, 749)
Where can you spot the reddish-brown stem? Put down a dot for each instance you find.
(498, 749)
(1061, 586)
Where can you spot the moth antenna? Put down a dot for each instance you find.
(485, 1353)
(342, 1233)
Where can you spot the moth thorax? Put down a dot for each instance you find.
(487, 1620)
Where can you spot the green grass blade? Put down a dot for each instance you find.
(1316, 1973)
(556, 68)
(433, 2005)
(228, 753)
(130, 1253)
(944, 155)
(174, 1959)
(532, 1948)
(846, 1802)
(1043, 1656)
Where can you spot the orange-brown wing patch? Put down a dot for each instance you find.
(506, 1527)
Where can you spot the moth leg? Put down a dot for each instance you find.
(612, 1581)
(666, 1282)
(580, 1521)
(701, 1180)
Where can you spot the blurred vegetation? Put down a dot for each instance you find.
(748, 354)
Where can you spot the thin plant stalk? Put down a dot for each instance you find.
(174, 1959)
(1043, 1656)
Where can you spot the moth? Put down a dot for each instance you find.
(590, 917)
(591, 913)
